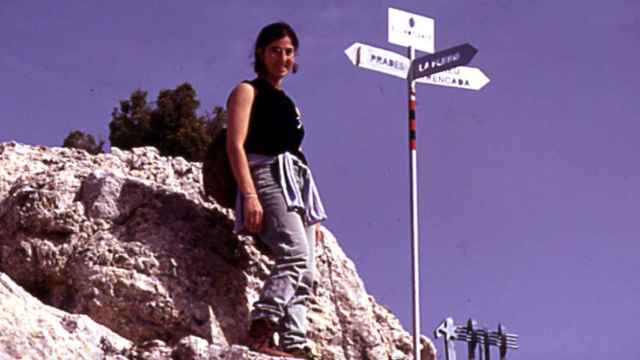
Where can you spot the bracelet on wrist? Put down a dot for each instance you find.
(248, 195)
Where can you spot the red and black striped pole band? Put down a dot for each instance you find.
(412, 124)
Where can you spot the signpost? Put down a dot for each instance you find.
(377, 59)
(391, 63)
(462, 77)
(442, 60)
(443, 68)
(407, 29)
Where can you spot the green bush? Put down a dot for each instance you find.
(80, 140)
(172, 125)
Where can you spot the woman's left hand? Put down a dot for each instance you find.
(319, 233)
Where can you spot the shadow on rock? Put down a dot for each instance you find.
(167, 268)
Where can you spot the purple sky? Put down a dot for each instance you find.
(529, 188)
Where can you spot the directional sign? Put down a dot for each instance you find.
(391, 63)
(442, 60)
(462, 77)
(407, 29)
(377, 59)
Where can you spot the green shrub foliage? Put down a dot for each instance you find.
(170, 124)
(80, 140)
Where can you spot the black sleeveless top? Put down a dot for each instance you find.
(274, 123)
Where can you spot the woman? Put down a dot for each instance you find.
(277, 197)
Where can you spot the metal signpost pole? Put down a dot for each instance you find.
(417, 33)
(415, 253)
(448, 330)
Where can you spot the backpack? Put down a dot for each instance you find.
(217, 176)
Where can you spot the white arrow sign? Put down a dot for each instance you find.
(391, 63)
(463, 77)
(380, 60)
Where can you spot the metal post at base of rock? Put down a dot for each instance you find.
(504, 341)
(473, 338)
(483, 339)
(486, 345)
(447, 330)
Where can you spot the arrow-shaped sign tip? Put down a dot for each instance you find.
(352, 53)
(473, 49)
(483, 79)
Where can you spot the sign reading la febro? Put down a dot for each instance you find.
(441, 61)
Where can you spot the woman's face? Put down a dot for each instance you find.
(278, 58)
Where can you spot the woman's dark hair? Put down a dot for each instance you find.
(269, 34)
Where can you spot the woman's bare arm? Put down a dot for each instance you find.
(239, 111)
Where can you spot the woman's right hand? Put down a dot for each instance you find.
(252, 214)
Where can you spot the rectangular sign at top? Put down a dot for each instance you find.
(407, 29)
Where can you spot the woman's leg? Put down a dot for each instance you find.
(284, 233)
(294, 322)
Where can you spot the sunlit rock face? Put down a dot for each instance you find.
(121, 255)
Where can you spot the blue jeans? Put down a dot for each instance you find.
(292, 243)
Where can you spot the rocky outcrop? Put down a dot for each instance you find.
(31, 330)
(130, 241)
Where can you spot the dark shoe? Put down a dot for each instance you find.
(273, 351)
(260, 338)
(305, 352)
(261, 331)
